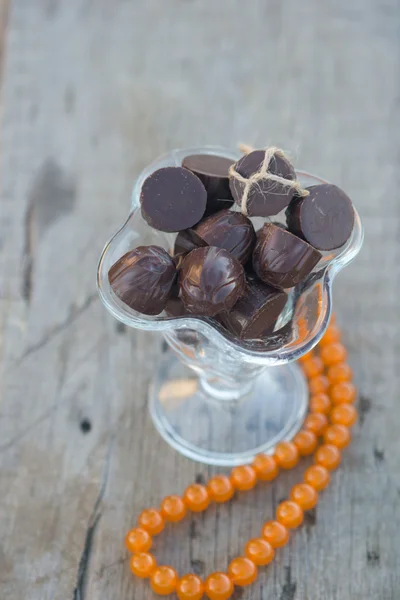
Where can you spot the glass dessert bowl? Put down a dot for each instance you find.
(215, 398)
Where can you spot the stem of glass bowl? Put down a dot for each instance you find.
(215, 407)
(223, 390)
(224, 377)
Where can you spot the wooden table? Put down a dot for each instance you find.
(91, 92)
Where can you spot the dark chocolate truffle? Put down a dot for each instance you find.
(278, 224)
(267, 197)
(324, 218)
(175, 307)
(281, 258)
(186, 241)
(173, 199)
(213, 172)
(211, 281)
(229, 230)
(256, 312)
(143, 279)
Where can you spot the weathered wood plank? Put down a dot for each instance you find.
(92, 91)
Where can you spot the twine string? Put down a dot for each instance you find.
(262, 175)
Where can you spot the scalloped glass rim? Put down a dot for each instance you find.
(274, 350)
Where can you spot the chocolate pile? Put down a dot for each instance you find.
(220, 267)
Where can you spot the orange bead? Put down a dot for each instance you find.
(259, 551)
(242, 571)
(219, 586)
(316, 422)
(313, 366)
(333, 354)
(190, 587)
(343, 414)
(286, 455)
(320, 403)
(289, 514)
(340, 372)
(338, 435)
(318, 385)
(331, 335)
(196, 497)
(151, 520)
(306, 356)
(265, 467)
(332, 319)
(142, 564)
(164, 580)
(305, 442)
(304, 495)
(318, 477)
(244, 477)
(173, 508)
(328, 456)
(275, 533)
(220, 488)
(138, 540)
(343, 392)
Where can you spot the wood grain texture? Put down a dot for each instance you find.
(92, 91)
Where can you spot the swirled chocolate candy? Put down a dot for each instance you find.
(210, 281)
(213, 172)
(173, 199)
(282, 259)
(256, 312)
(266, 197)
(186, 241)
(324, 218)
(175, 307)
(143, 279)
(229, 230)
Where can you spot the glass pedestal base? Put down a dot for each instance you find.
(216, 430)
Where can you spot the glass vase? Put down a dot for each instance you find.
(216, 399)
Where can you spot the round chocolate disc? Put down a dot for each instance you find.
(173, 199)
(210, 281)
(324, 218)
(267, 197)
(229, 230)
(256, 312)
(213, 172)
(282, 259)
(143, 279)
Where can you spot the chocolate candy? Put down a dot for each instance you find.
(281, 258)
(278, 224)
(256, 312)
(143, 279)
(229, 230)
(186, 241)
(173, 199)
(324, 218)
(213, 172)
(211, 281)
(175, 307)
(266, 197)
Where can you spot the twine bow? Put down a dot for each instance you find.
(263, 175)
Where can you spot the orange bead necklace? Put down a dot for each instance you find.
(331, 415)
